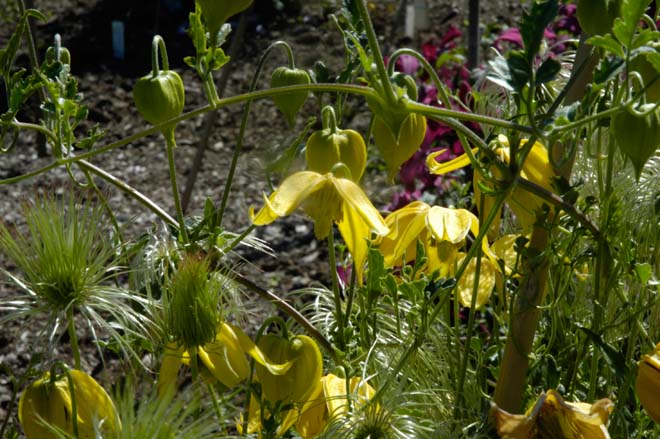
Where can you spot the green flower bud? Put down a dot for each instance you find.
(160, 96)
(331, 145)
(192, 311)
(637, 133)
(289, 103)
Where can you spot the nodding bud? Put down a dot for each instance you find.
(193, 313)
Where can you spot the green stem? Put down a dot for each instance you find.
(238, 239)
(158, 43)
(439, 86)
(263, 94)
(339, 317)
(73, 337)
(555, 200)
(214, 400)
(74, 404)
(171, 144)
(129, 190)
(390, 97)
(471, 316)
(244, 121)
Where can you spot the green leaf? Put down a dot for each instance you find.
(533, 25)
(644, 272)
(196, 31)
(613, 356)
(607, 43)
(217, 59)
(519, 69)
(631, 13)
(654, 59)
(607, 69)
(548, 71)
(376, 272)
(499, 73)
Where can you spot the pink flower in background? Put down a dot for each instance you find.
(407, 64)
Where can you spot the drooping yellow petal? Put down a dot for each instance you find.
(445, 167)
(169, 368)
(94, 407)
(504, 250)
(355, 199)
(225, 358)
(334, 389)
(314, 414)
(292, 192)
(248, 346)
(451, 225)
(254, 418)
(356, 234)
(406, 225)
(486, 283)
(552, 417)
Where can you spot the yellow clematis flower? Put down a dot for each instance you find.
(465, 285)
(222, 360)
(537, 169)
(326, 199)
(329, 403)
(442, 231)
(48, 401)
(647, 385)
(551, 418)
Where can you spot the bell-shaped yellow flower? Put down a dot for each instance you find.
(647, 385)
(536, 168)
(48, 401)
(485, 283)
(442, 231)
(222, 360)
(329, 403)
(552, 417)
(327, 199)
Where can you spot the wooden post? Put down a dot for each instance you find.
(473, 34)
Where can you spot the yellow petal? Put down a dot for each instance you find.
(41, 402)
(292, 192)
(465, 286)
(443, 168)
(94, 406)
(355, 199)
(406, 226)
(248, 346)
(313, 415)
(169, 368)
(647, 385)
(334, 389)
(441, 257)
(356, 234)
(552, 417)
(451, 225)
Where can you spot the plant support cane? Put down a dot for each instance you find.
(512, 379)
